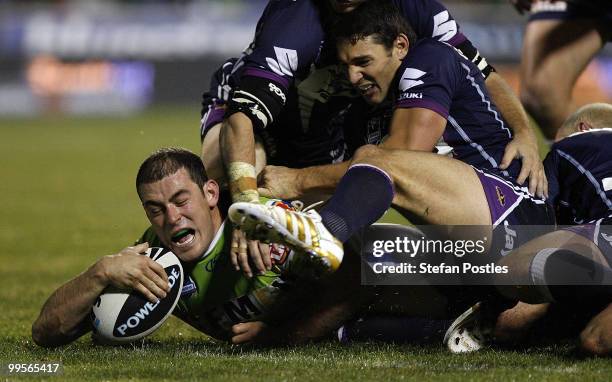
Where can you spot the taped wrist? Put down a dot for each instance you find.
(472, 54)
(260, 99)
(243, 182)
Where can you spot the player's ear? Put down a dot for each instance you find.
(211, 192)
(584, 126)
(401, 45)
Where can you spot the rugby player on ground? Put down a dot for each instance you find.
(437, 93)
(434, 97)
(187, 216)
(571, 266)
(561, 38)
(297, 113)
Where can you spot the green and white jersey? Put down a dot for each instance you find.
(215, 296)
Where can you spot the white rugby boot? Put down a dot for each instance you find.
(470, 332)
(303, 232)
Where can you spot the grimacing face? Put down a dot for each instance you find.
(345, 6)
(371, 66)
(183, 216)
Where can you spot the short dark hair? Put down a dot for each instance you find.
(167, 161)
(377, 18)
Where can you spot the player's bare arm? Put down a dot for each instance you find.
(63, 317)
(524, 144)
(238, 151)
(292, 183)
(414, 129)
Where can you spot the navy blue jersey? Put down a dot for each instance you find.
(437, 77)
(285, 51)
(579, 172)
(289, 85)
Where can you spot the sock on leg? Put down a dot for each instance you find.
(363, 195)
(564, 275)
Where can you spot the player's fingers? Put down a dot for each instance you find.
(159, 278)
(540, 191)
(153, 283)
(534, 182)
(264, 249)
(256, 256)
(146, 293)
(544, 185)
(243, 259)
(140, 248)
(159, 272)
(234, 250)
(242, 338)
(509, 155)
(239, 328)
(234, 258)
(526, 170)
(265, 192)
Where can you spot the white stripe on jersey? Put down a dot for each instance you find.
(475, 145)
(486, 102)
(589, 176)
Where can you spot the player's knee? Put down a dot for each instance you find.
(592, 342)
(368, 154)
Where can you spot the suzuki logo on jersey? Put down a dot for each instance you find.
(411, 96)
(444, 27)
(286, 62)
(276, 90)
(410, 78)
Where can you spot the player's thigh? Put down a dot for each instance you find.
(441, 190)
(555, 52)
(436, 189)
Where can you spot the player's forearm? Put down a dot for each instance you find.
(321, 179)
(509, 105)
(238, 151)
(62, 318)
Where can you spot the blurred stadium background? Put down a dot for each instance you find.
(88, 57)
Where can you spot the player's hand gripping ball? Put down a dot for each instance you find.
(121, 316)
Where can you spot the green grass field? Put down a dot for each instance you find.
(67, 192)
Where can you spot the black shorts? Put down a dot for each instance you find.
(517, 215)
(573, 10)
(599, 232)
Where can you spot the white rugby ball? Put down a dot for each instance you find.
(119, 316)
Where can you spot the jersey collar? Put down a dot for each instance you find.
(215, 240)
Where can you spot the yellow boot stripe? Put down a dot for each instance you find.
(314, 236)
(301, 229)
(289, 222)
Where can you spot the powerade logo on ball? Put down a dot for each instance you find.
(139, 315)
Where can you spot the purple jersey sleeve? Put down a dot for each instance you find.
(429, 18)
(428, 78)
(287, 42)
